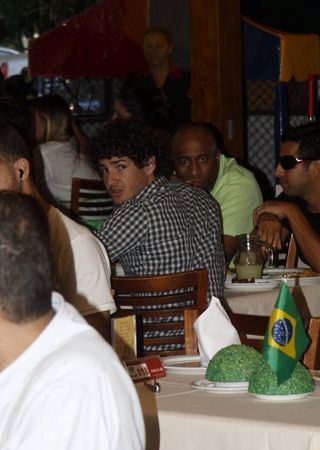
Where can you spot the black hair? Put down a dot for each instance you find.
(209, 128)
(25, 277)
(308, 137)
(133, 139)
(19, 117)
(12, 144)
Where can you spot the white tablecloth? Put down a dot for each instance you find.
(262, 303)
(190, 419)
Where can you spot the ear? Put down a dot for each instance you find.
(314, 168)
(150, 167)
(22, 169)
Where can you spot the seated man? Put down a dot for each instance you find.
(61, 385)
(81, 268)
(198, 161)
(158, 226)
(297, 209)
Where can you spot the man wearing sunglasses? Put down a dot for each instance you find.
(297, 209)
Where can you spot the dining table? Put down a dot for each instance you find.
(251, 300)
(188, 418)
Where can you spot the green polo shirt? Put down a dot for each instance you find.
(238, 194)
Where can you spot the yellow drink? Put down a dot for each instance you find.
(248, 271)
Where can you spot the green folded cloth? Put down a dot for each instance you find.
(94, 224)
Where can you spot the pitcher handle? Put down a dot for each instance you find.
(270, 252)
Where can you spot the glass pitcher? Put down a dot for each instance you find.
(251, 256)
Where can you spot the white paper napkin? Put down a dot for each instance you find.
(214, 331)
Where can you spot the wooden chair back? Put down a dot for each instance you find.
(168, 304)
(252, 328)
(288, 257)
(292, 253)
(90, 200)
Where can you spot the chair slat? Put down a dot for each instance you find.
(141, 293)
(89, 198)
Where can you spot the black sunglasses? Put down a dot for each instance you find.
(289, 162)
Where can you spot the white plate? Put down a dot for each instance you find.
(212, 386)
(258, 285)
(315, 375)
(278, 271)
(280, 398)
(184, 364)
(302, 281)
(232, 384)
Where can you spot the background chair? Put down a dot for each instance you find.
(288, 257)
(292, 253)
(168, 305)
(252, 328)
(90, 201)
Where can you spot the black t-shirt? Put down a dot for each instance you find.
(312, 218)
(174, 92)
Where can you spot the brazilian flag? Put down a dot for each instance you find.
(285, 339)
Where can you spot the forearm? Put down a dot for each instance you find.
(307, 239)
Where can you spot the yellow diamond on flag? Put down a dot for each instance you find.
(282, 332)
(285, 339)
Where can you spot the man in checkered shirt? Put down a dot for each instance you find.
(158, 226)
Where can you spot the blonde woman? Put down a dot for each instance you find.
(59, 156)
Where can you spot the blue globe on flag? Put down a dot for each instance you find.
(282, 331)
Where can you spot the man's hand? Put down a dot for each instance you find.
(267, 219)
(268, 228)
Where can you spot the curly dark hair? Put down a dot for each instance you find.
(308, 137)
(133, 139)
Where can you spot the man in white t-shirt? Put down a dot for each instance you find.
(61, 385)
(81, 267)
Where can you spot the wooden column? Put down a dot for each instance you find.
(215, 30)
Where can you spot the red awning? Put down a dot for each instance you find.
(104, 41)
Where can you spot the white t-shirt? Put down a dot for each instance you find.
(69, 391)
(81, 267)
(55, 164)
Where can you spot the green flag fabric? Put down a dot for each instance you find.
(285, 339)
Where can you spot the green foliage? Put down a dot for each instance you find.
(25, 17)
(233, 363)
(265, 382)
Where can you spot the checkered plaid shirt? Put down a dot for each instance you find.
(169, 227)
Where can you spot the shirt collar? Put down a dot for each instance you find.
(150, 189)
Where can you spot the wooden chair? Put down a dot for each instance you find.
(289, 257)
(252, 328)
(90, 200)
(292, 253)
(168, 305)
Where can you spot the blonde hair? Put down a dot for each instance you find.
(57, 117)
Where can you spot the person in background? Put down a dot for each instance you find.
(158, 226)
(161, 79)
(297, 209)
(198, 161)
(60, 155)
(137, 104)
(61, 385)
(18, 89)
(80, 264)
